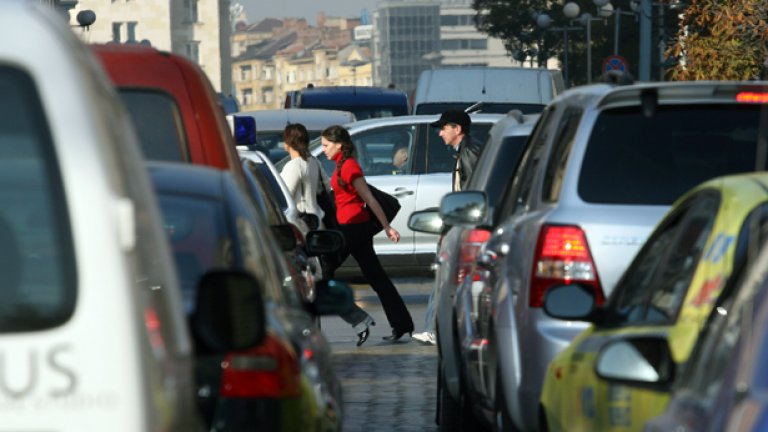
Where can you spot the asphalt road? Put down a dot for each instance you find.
(387, 387)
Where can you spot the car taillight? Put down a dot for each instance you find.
(270, 370)
(471, 241)
(562, 257)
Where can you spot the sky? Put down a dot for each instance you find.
(257, 10)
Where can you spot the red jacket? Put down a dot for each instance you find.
(350, 207)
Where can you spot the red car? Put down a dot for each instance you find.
(175, 110)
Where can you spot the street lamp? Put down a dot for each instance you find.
(544, 21)
(586, 20)
(607, 10)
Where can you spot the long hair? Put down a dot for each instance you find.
(296, 137)
(339, 135)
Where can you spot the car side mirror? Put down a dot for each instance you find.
(466, 208)
(285, 236)
(570, 302)
(639, 361)
(229, 312)
(312, 221)
(426, 221)
(332, 298)
(324, 242)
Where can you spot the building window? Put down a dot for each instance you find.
(192, 51)
(245, 73)
(131, 27)
(190, 11)
(116, 32)
(247, 96)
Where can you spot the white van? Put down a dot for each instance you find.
(92, 329)
(497, 89)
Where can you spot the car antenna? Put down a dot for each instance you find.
(477, 106)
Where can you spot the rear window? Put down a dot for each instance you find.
(193, 225)
(37, 266)
(632, 159)
(158, 122)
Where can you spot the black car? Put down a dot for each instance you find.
(212, 224)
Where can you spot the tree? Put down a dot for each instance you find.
(721, 39)
(515, 24)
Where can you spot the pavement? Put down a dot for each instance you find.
(386, 386)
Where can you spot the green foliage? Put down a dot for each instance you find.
(721, 39)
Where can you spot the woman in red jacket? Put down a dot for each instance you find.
(352, 196)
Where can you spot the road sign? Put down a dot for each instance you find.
(615, 63)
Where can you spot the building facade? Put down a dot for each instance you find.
(197, 29)
(294, 57)
(405, 36)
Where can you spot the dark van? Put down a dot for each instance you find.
(363, 102)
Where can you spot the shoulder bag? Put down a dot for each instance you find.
(389, 204)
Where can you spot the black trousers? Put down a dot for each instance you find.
(359, 244)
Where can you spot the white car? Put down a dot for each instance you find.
(419, 185)
(93, 335)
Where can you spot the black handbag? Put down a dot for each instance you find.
(389, 204)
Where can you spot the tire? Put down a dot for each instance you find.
(452, 415)
(502, 422)
(448, 409)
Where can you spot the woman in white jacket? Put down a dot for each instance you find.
(303, 175)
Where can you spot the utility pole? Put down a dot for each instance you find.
(645, 40)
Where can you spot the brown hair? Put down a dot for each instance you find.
(296, 137)
(339, 135)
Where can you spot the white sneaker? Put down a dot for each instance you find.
(426, 337)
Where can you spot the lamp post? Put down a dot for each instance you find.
(607, 10)
(586, 20)
(544, 21)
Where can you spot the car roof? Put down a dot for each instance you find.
(416, 119)
(312, 119)
(603, 95)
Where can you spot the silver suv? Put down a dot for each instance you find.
(603, 165)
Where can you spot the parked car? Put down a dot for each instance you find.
(287, 383)
(496, 89)
(174, 108)
(463, 342)
(259, 186)
(692, 257)
(363, 101)
(722, 385)
(602, 167)
(271, 123)
(92, 325)
(425, 178)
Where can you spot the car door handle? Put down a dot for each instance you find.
(401, 192)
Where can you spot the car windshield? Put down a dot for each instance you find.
(635, 159)
(157, 120)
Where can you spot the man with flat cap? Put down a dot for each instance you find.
(454, 130)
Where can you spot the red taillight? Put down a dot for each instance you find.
(471, 241)
(752, 97)
(270, 370)
(562, 257)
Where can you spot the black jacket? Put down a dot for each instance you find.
(469, 151)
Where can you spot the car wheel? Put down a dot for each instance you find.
(502, 422)
(448, 410)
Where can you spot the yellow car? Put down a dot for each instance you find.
(691, 258)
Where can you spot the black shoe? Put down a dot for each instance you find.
(397, 334)
(363, 335)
